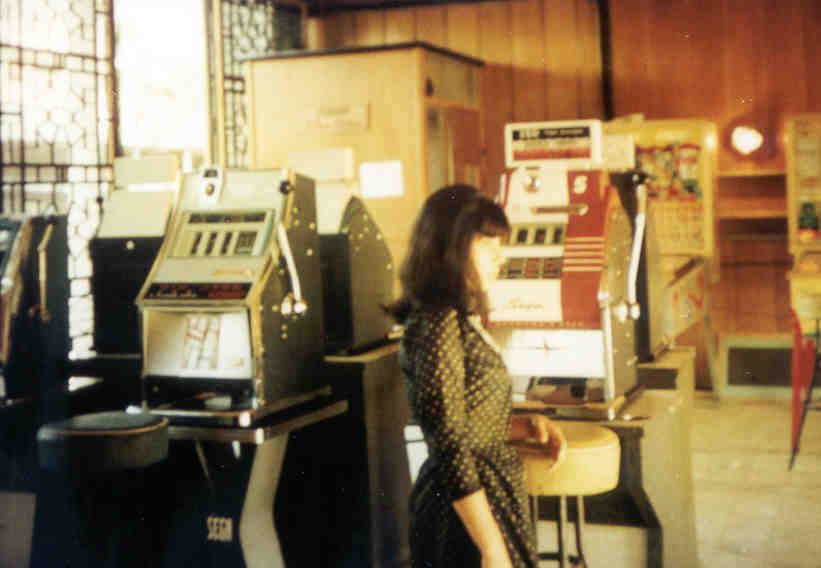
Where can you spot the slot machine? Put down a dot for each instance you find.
(565, 306)
(231, 312)
(34, 335)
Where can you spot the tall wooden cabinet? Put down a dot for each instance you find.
(409, 113)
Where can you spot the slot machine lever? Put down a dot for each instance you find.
(293, 302)
(42, 261)
(629, 307)
(635, 253)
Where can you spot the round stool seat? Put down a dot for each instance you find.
(103, 441)
(591, 463)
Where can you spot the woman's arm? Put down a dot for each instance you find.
(474, 510)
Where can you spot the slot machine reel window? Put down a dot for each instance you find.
(224, 234)
(535, 252)
(537, 234)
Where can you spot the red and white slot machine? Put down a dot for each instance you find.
(565, 305)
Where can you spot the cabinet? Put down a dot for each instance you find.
(752, 294)
(803, 152)
(413, 106)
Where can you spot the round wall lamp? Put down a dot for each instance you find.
(751, 136)
(746, 139)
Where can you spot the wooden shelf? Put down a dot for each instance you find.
(751, 196)
(751, 213)
(751, 173)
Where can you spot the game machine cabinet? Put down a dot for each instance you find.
(803, 153)
(34, 378)
(361, 480)
(34, 335)
(678, 158)
(34, 338)
(565, 306)
(134, 219)
(580, 309)
(363, 364)
(232, 345)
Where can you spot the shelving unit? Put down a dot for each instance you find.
(752, 297)
(751, 195)
(803, 153)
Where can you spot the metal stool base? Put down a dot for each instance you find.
(561, 555)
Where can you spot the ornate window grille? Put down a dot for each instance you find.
(57, 126)
(58, 118)
(246, 28)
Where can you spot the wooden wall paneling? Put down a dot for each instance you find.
(370, 27)
(632, 56)
(496, 50)
(528, 60)
(783, 314)
(591, 101)
(811, 19)
(340, 29)
(756, 298)
(315, 33)
(562, 59)
(400, 25)
(681, 30)
(431, 25)
(782, 85)
(743, 28)
(463, 28)
(696, 42)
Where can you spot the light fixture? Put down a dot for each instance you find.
(746, 139)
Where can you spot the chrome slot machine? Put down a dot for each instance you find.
(565, 305)
(231, 312)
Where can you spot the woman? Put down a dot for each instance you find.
(469, 506)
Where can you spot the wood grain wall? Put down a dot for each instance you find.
(727, 60)
(730, 61)
(543, 57)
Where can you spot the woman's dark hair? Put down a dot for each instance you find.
(437, 271)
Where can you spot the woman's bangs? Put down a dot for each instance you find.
(493, 221)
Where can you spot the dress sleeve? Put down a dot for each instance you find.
(439, 371)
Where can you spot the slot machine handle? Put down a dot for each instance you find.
(571, 209)
(42, 261)
(293, 302)
(634, 310)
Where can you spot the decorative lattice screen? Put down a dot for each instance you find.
(56, 126)
(248, 29)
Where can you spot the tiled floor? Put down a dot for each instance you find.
(750, 510)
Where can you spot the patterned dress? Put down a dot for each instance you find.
(460, 395)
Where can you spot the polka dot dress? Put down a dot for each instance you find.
(460, 395)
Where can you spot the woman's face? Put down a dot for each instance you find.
(487, 257)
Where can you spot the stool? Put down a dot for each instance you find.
(103, 456)
(591, 466)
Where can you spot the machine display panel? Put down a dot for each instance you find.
(198, 344)
(223, 233)
(198, 291)
(561, 144)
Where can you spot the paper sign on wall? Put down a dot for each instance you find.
(381, 179)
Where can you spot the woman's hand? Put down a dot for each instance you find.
(539, 429)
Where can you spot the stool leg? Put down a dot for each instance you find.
(534, 517)
(579, 560)
(561, 522)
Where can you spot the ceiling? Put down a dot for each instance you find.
(324, 6)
